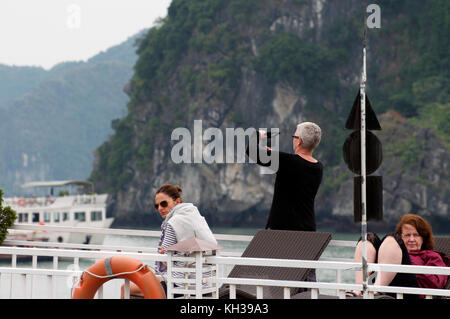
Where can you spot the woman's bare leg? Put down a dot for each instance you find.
(389, 253)
(371, 255)
(134, 290)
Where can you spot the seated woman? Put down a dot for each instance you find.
(412, 243)
(180, 221)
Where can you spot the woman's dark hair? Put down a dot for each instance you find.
(422, 227)
(174, 191)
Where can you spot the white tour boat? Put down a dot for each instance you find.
(77, 210)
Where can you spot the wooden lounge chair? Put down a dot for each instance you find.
(278, 244)
(442, 244)
(307, 295)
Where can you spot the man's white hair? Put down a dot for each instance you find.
(310, 133)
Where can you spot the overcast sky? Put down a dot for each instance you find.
(47, 32)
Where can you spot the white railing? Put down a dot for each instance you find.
(340, 288)
(24, 280)
(73, 271)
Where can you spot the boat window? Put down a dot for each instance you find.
(23, 218)
(65, 216)
(56, 217)
(80, 216)
(96, 215)
(35, 218)
(47, 217)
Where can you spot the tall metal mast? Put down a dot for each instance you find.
(363, 166)
(363, 155)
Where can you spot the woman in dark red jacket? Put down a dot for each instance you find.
(412, 243)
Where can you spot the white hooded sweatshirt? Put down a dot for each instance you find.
(187, 222)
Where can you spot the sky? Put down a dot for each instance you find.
(47, 32)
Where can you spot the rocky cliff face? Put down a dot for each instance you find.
(227, 87)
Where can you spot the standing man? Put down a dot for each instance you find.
(297, 181)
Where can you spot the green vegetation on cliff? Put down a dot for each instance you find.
(285, 57)
(202, 49)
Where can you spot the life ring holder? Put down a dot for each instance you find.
(21, 202)
(118, 267)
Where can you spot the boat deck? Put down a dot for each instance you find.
(57, 278)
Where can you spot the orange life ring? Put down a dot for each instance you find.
(21, 202)
(124, 267)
